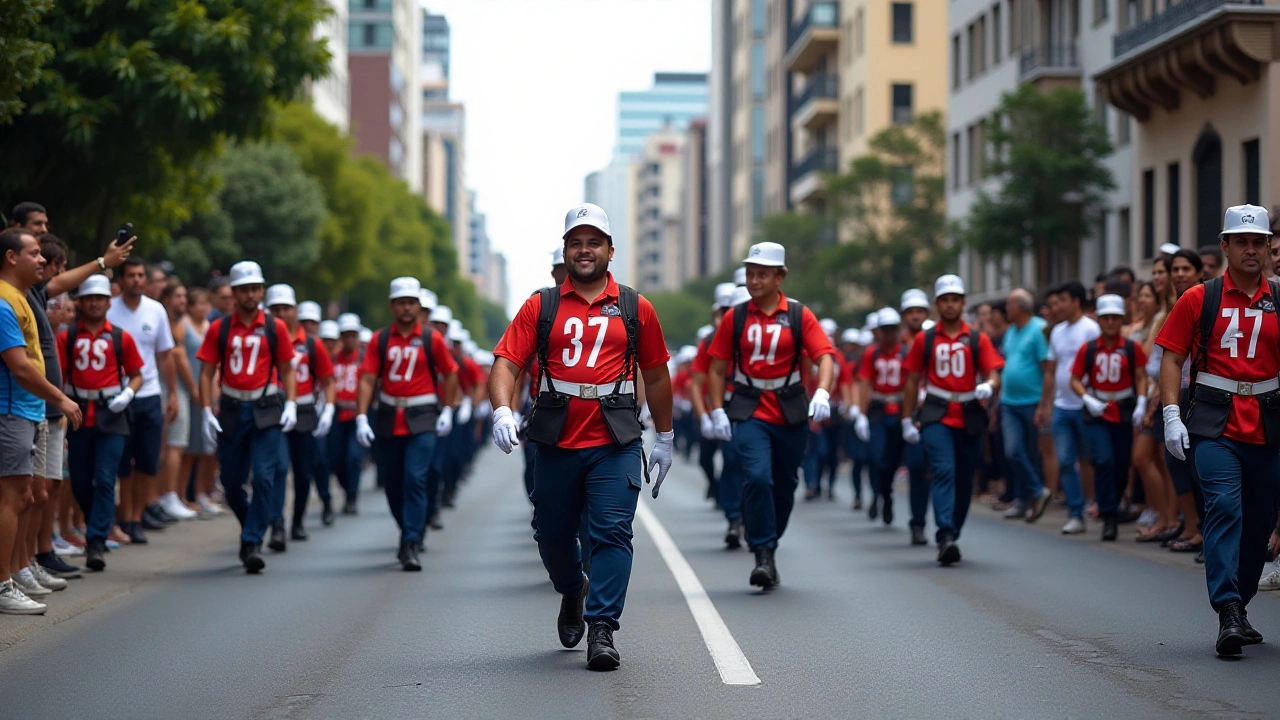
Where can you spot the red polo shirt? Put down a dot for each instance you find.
(883, 369)
(248, 365)
(95, 361)
(405, 372)
(305, 374)
(953, 368)
(1110, 372)
(346, 373)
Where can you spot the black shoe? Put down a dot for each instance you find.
(917, 536)
(277, 543)
(93, 555)
(408, 557)
(434, 523)
(887, 513)
(601, 654)
(349, 508)
(570, 624)
(765, 574)
(948, 552)
(857, 503)
(447, 501)
(1199, 558)
(1110, 529)
(1231, 633)
(873, 508)
(159, 514)
(810, 494)
(249, 555)
(150, 522)
(297, 532)
(56, 566)
(326, 515)
(733, 536)
(135, 533)
(1251, 636)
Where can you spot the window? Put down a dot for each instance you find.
(1015, 25)
(902, 108)
(977, 151)
(1101, 11)
(980, 46)
(1252, 188)
(757, 193)
(846, 118)
(860, 113)
(972, 32)
(1148, 213)
(902, 30)
(1123, 236)
(996, 49)
(370, 36)
(1101, 233)
(859, 30)
(1100, 108)
(758, 76)
(955, 61)
(956, 151)
(758, 17)
(903, 190)
(757, 133)
(1175, 204)
(1123, 128)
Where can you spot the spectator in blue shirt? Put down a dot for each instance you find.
(1026, 353)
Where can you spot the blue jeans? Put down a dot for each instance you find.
(1069, 440)
(598, 485)
(918, 482)
(530, 463)
(861, 457)
(953, 455)
(814, 457)
(1111, 445)
(304, 449)
(403, 462)
(887, 447)
(730, 486)
(1022, 447)
(346, 457)
(769, 456)
(1240, 490)
(93, 458)
(238, 452)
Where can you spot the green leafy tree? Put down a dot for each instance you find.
(681, 314)
(494, 322)
(21, 57)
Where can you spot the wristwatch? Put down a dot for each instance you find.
(102, 263)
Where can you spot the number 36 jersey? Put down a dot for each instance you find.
(248, 364)
(587, 344)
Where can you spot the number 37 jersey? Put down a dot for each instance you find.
(248, 364)
(586, 347)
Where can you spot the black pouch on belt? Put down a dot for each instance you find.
(932, 410)
(622, 417)
(308, 419)
(228, 415)
(876, 412)
(384, 421)
(111, 423)
(267, 411)
(975, 418)
(421, 418)
(794, 402)
(743, 403)
(1269, 408)
(1209, 410)
(550, 410)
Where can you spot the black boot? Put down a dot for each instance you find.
(1110, 528)
(408, 557)
(277, 543)
(1252, 636)
(297, 532)
(1231, 632)
(733, 536)
(948, 551)
(326, 515)
(570, 624)
(249, 556)
(873, 508)
(601, 654)
(135, 533)
(917, 536)
(93, 555)
(765, 573)
(887, 513)
(350, 507)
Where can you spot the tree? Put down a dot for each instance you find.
(21, 57)
(1046, 152)
(494, 322)
(681, 314)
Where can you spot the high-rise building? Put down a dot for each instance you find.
(384, 41)
(610, 188)
(435, 57)
(695, 237)
(496, 288)
(663, 259)
(720, 138)
(331, 95)
(674, 100)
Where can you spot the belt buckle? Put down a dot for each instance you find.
(955, 397)
(1244, 388)
(587, 392)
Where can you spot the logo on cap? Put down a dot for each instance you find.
(1246, 218)
(583, 212)
(754, 252)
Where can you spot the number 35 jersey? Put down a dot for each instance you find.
(248, 364)
(587, 344)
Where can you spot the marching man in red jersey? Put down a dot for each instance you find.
(877, 416)
(764, 339)
(949, 357)
(729, 484)
(404, 361)
(346, 454)
(251, 357)
(1230, 329)
(96, 359)
(594, 339)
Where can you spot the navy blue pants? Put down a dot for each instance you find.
(815, 454)
(303, 449)
(346, 457)
(238, 452)
(887, 449)
(953, 455)
(1111, 445)
(860, 454)
(729, 487)
(94, 458)
(600, 485)
(918, 483)
(403, 462)
(769, 456)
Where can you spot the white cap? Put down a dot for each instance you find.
(769, 254)
(329, 330)
(1169, 249)
(865, 338)
(724, 293)
(873, 321)
(349, 322)
(829, 326)
(740, 277)
(927, 325)
(95, 285)
(1246, 219)
(948, 285)
(469, 347)
(740, 295)
(586, 214)
(1110, 305)
(914, 298)
(888, 316)
(456, 331)
(405, 287)
(309, 311)
(280, 295)
(428, 299)
(557, 257)
(850, 335)
(366, 335)
(704, 331)
(686, 354)
(442, 314)
(246, 272)
(483, 357)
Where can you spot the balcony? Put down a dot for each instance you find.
(817, 104)
(807, 181)
(1050, 66)
(813, 36)
(1187, 48)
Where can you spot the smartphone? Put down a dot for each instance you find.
(126, 232)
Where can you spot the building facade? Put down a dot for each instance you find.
(331, 95)
(662, 257)
(674, 100)
(383, 41)
(699, 256)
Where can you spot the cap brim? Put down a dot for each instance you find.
(401, 296)
(584, 221)
(764, 264)
(1248, 231)
(248, 281)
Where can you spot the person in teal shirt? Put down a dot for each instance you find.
(1026, 353)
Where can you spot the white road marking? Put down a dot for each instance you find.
(733, 666)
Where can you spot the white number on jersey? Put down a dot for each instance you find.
(888, 372)
(402, 355)
(91, 354)
(574, 328)
(239, 343)
(1233, 333)
(949, 360)
(347, 377)
(755, 335)
(1107, 368)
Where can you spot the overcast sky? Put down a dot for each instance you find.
(540, 80)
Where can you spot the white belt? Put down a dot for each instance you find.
(770, 384)
(955, 397)
(588, 392)
(250, 395)
(308, 399)
(408, 402)
(92, 394)
(887, 398)
(346, 404)
(1114, 395)
(1235, 387)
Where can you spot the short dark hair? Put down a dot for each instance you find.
(1001, 306)
(1125, 270)
(22, 211)
(133, 261)
(1116, 286)
(52, 248)
(218, 283)
(11, 239)
(1072, 288)
(1214, 250)
(1190, 256)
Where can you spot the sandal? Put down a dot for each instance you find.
(1186, 546)
(1151, 535)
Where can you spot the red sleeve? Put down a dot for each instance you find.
(849, 370)
(61, 343)
(989, 359)
(914, 362)
(816, 342)
(132, 358)
(520, 341)
(722, 347)
(284, 343)
(1078, 370)
(701, 361)
(324, 364)
(208, 352)
(652, 350)
(864, 369)
(445, 364)
(369, 365)
(1180, 327)
(1139, 356)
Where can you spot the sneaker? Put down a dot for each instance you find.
(1074, 526)
(1270, 582)
(43, 577)
(1148, 518)
(15, 602)
(175, 507)
(26, 582)
(209, 506)
(62, 548)
(1014, 511)
(1039, 505)
(57, 567)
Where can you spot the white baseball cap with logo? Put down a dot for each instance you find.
(366, 335)
(246, 272)
(768, 254)
(1110, 305)
(1169, 249)
(456, 331)
(329, 330)
(280, 295)
(704, 331)
(866, 339)
(873, 321)
(428, 299)
(405, 287)
(1242, 219)
(95, 285)
(829, 326)
(557, 257)
(913, 298)
(724, 293)
(740, 295)
(948, 285)
(349, 322)
(849, 336)
(586, 214)
(442, 314)
(309, 311)
(740, 277)
(888, 317)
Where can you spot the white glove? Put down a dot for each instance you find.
(1176, 439)
(820, 405)
(661, 457)
(720, 425)
(852, 412)
(862, 427)
(910, 432)
(485, 408)
(707, 427)
(1095, 406)
(646, 419)
(326, 422)
(505, 426)
(121, 401)
(211, 426)
(445, 424)
(289, 418)
(1140, 412)
(983, 392)
(464, 411)
(364, 433)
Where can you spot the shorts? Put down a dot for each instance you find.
(39, 461)
(179, 432)
(197, 443)
(142, 447)
(54, 447)
(17, 446)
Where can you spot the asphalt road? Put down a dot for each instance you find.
(1030, 625)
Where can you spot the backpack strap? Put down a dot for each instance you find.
(549, 298)
(117, 346)
(1131, 355)
(629, 306)
(1208, 316)
(384, 339)
(224, 338)
(975, 343)
(428, 342)
(311, 354)
(739, 324)
(1090, 357)
(927, 356)
(269, 329)
(795, 316)
(72, 332)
